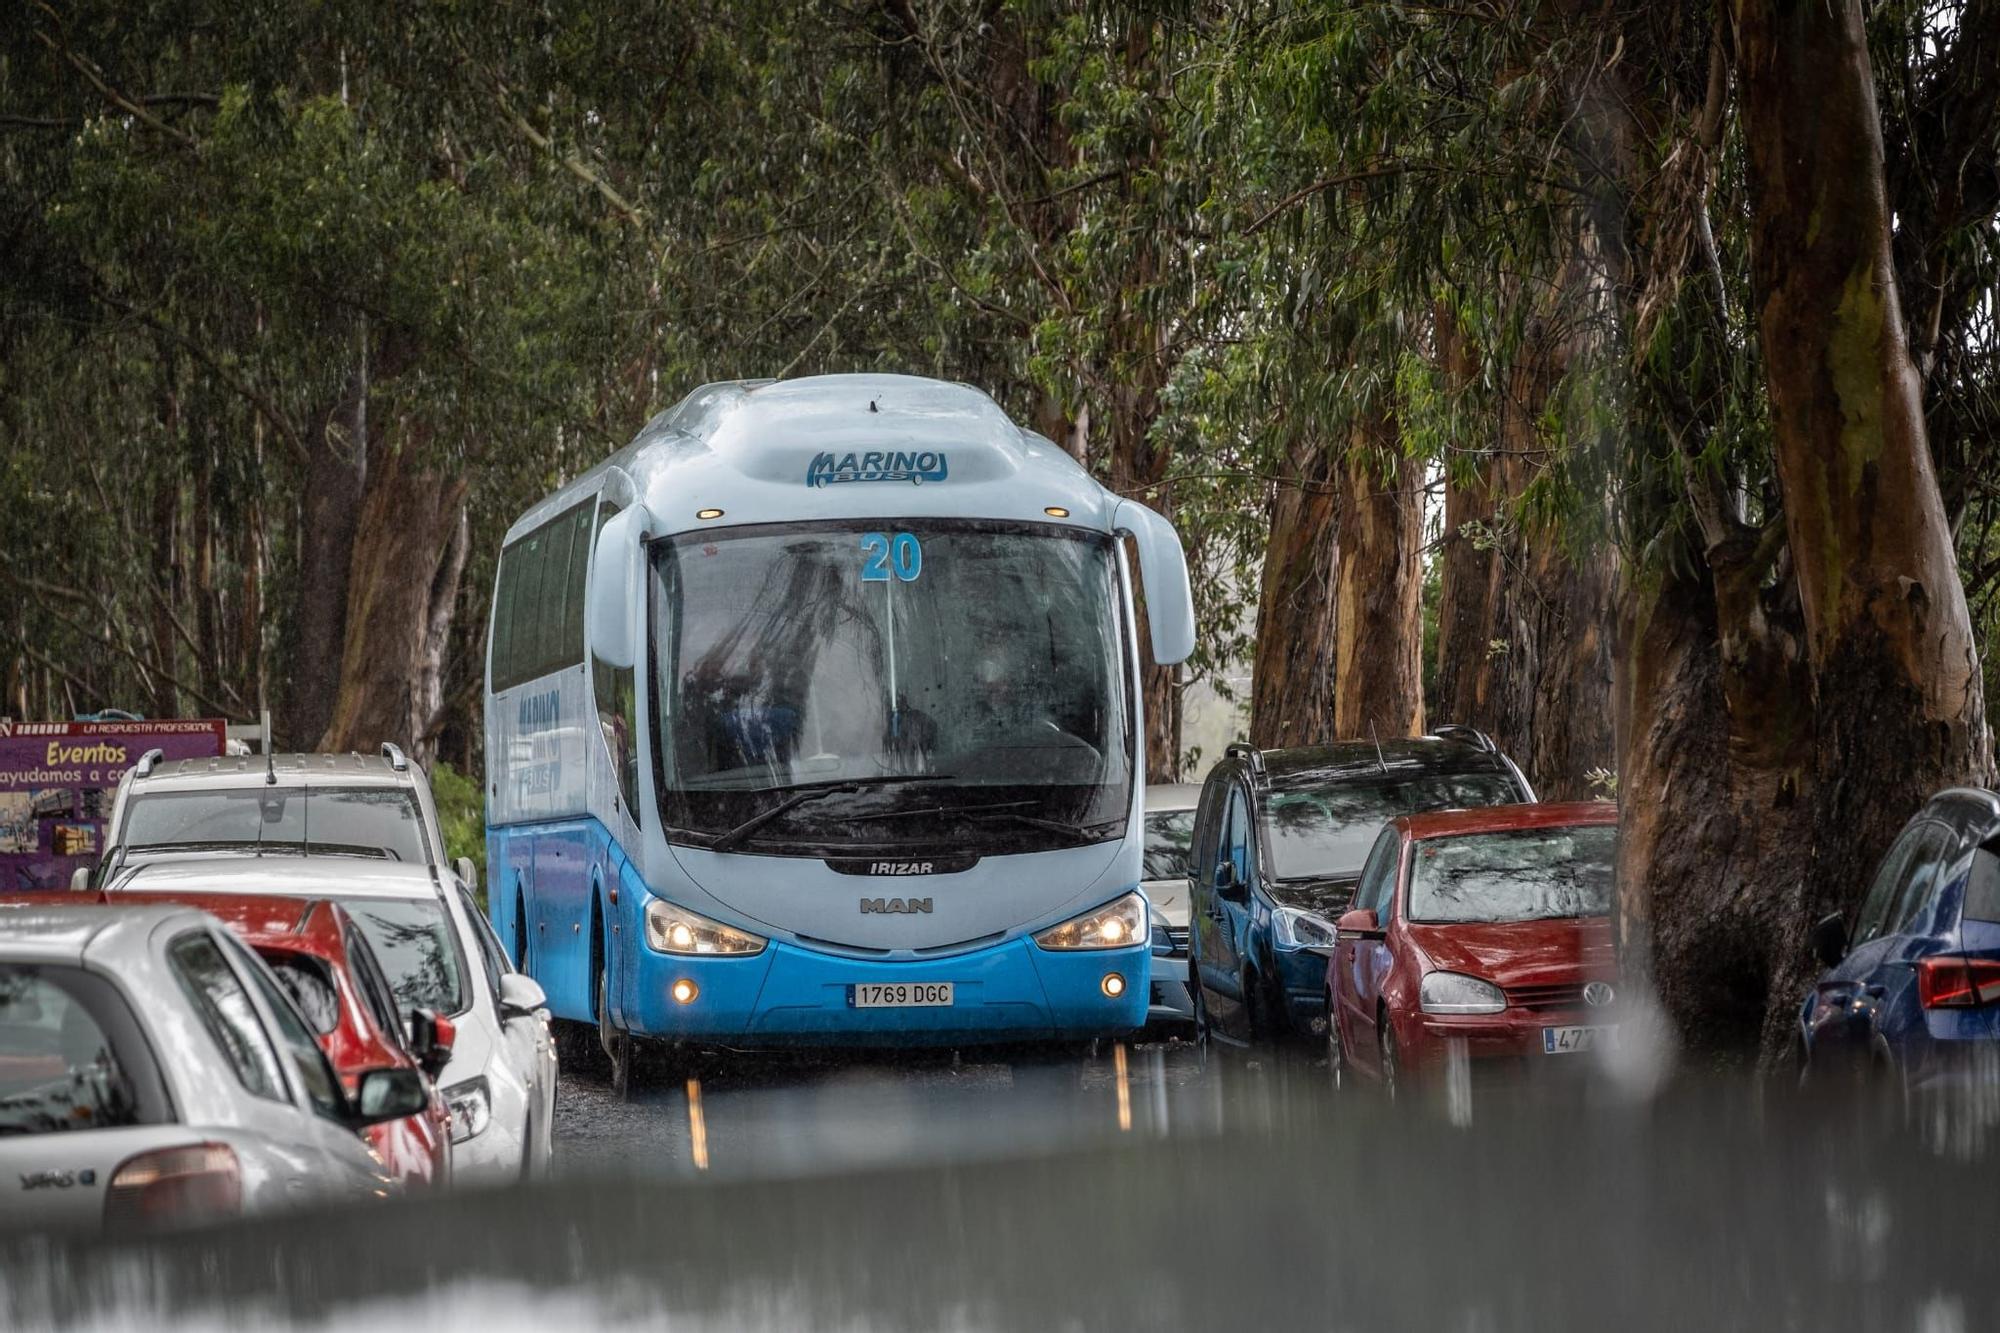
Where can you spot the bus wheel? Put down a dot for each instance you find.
(616, 1041)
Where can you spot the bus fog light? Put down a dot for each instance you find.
(685, 991)
(1113, 984)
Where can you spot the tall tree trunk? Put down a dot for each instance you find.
(1886, 629)
(409, 553)
(1292, 673)
(209, 647)
(166, 590)
(1469, 619)
(1379, 587)
(330, 509)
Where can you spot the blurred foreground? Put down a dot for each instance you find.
(1123, 1191)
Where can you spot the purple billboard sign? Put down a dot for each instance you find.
(57, 780)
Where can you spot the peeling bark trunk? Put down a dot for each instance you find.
(1886, 629)
(1292, 675)
(1379, 662)
(409, 554)
(1469, 605)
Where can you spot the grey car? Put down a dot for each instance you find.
(1170, 811)
(152, 1072)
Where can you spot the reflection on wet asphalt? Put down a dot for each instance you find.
(1044, 1194)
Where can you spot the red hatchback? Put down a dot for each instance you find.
(330, 971)
(1485, 928)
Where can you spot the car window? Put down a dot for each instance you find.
(492, 956)
(225, 1009)
(309, 984)
(1378, 876)
(1982, 885)
(72, 1056)
(1208, 830)
(374, 821)
(1326, 832)
(309, 1062)
(1236, 840)
(1934, 843)
(1882, 893)
(418, 950)
(1169, 835)
(1520, 875)
(375, 989)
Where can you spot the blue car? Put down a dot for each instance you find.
(1912, 990)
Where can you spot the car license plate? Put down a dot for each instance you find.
(899, 995)
(1568, 1041)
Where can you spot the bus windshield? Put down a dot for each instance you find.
(967, 679)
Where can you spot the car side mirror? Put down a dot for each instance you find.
(1829, 940)
(467, 874)
(389, 1094)
(431, 1039)
(79, 880)
(1227, 885)
(1359, 923)
(520, 995)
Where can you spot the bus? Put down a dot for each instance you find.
(813, 717)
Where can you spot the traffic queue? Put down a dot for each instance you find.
(272, 991)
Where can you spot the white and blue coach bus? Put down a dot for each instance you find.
(813, 716)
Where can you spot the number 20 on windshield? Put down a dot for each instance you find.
(882, 555)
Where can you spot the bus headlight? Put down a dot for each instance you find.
(1112, 926)
(672, 929)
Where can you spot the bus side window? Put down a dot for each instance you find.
(616, 698)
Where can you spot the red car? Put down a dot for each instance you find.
(1485, 927)
(330, 971)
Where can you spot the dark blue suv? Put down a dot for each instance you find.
(1279, 841)
(1912, 989)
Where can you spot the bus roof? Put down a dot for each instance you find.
(841, 446)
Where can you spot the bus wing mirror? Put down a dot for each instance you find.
(1163, 575)
(612, 602)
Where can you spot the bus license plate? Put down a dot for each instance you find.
(1567, 1041)
(899, 995)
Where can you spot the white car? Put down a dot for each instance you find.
(152, 1072)
(439, 954)
(374, 804)
(1169, 837)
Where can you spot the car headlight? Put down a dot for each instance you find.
(673, 929)
(471, 1109)
(1456, 993)
(1296, 928)
(1113, 926)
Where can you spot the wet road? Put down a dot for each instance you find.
(1040, 1194)
(747, 1116)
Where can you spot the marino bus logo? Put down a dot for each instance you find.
(827, 469)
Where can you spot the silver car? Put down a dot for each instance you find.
(1169, 836)
(152, 1072)
(439, 954)
(359, 804)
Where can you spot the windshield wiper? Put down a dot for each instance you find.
(1036, 821)
(799, 795)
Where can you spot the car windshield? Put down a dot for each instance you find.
(412, 939)
(966, 677)
(371, 821)
(1169, 838)
(67, 1050)
(1325, 833)
(1519, 875)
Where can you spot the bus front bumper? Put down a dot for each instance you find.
(790, 996)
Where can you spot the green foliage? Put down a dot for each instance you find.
(461, 807)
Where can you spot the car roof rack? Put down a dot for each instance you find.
(1458, 731)
(147, 763)
(394, 754)
(1252, 757)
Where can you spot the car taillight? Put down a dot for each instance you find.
(1946, 982)
(175, 1185)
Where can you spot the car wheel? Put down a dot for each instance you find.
(617, 1042)
(1202, 1037)
(1385, 1042)
(1336, 1053)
